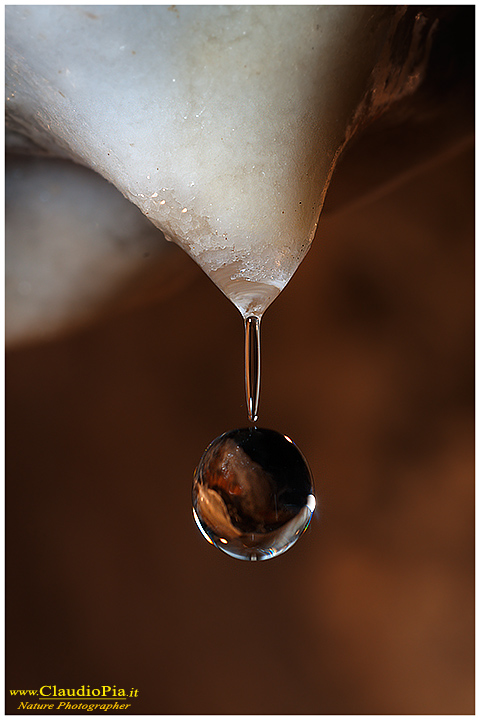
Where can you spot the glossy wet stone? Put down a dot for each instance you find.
(252, 493)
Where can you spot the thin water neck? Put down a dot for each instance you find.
(252, 365)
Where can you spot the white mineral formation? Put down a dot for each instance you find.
(221, 123)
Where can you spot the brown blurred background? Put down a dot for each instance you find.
(368, 366)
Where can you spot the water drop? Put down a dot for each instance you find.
(252, 493)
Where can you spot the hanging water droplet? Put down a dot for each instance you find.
(252, 493)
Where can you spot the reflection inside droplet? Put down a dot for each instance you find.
(252, 493)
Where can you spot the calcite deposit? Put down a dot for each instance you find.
(221, 123)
